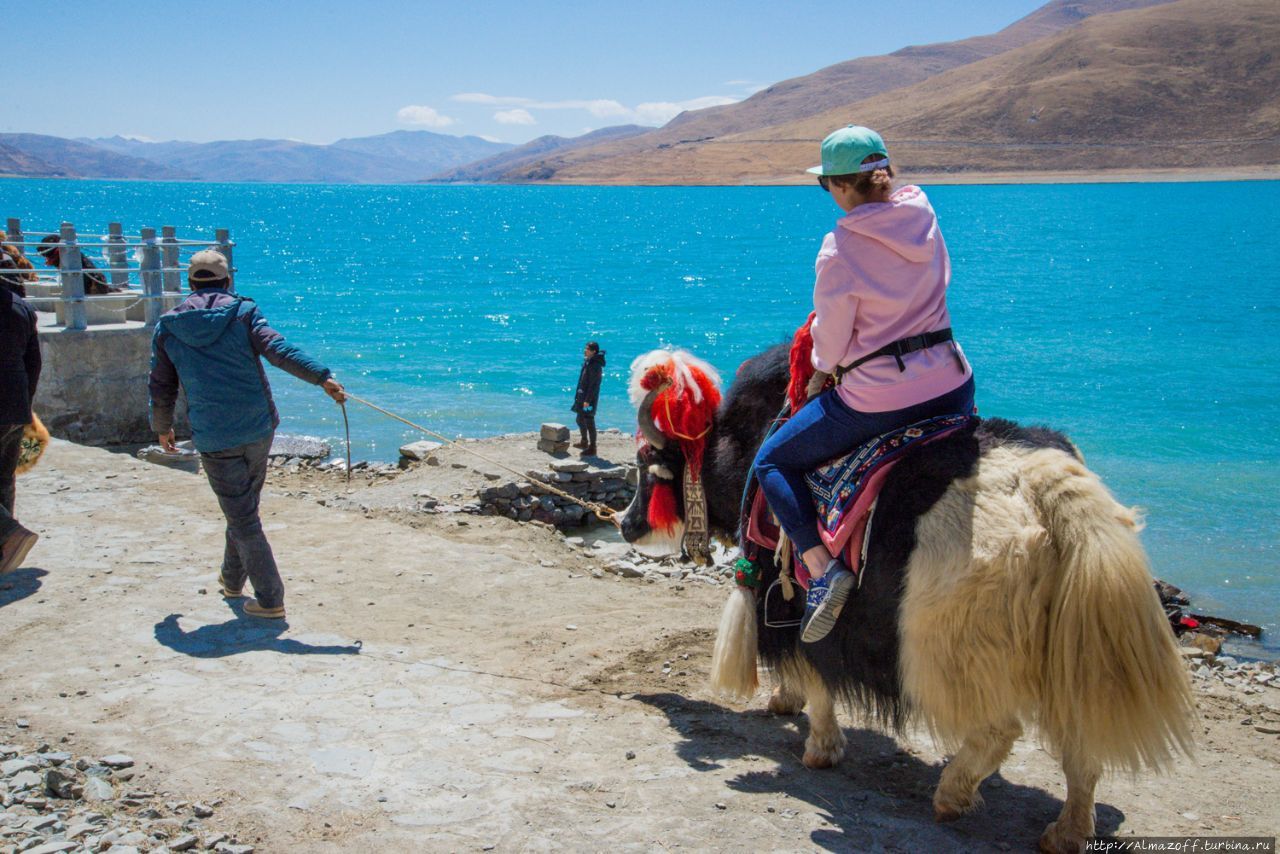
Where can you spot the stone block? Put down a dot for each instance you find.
(555, 432)
(551, 447)
(419, 451)
(302, 447)
(569, 466)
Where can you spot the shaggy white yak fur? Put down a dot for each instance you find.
(1027, 600)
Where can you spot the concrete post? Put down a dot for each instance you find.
(117, 255)
(69, 268)
(13, 228)
(169, 256)
(152, 278)
(223, 236)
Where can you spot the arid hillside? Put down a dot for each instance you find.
(1173, 86)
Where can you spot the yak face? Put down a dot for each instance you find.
(656, 513)
(676, 396)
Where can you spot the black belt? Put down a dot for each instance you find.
(900, 348)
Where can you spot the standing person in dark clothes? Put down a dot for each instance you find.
(19, 373)
(211, 344)
(588, 396)
(95, 284)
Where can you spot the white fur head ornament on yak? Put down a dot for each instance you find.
(676, 396)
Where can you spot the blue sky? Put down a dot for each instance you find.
(511, 71)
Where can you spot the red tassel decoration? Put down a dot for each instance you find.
(801, 364)
(663, 515)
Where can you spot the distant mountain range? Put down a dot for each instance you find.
(1076, 86)
(396, 157)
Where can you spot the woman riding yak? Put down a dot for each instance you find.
(879, 322)
(999, 584)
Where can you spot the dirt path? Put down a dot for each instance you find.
(467, 687)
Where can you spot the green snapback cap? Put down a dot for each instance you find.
(844, 150)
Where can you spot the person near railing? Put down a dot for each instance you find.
(26, 270)
(95, 284)
(211, 345)
(19, 373)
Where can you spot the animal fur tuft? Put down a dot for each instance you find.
(35, 439)
(733, 661)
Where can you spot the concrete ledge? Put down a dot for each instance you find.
(93, 389)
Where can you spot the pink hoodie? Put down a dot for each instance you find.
(882, 275)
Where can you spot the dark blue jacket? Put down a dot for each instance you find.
(211, 344)
(19, 358)
(587, 397)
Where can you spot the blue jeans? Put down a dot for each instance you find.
(824, 429)
(237, 475)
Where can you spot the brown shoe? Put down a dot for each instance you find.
(15, 548)
(253, 609)
(227, 591)
(589, 451)
(581, 443)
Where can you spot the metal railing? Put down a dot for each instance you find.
(156, 271)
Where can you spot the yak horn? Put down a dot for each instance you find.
(645, 418)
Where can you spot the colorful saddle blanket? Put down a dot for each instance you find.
(845, 491)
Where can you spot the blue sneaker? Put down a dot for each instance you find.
(825, 600)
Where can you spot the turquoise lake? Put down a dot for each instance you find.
(1143, 320)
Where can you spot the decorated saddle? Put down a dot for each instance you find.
(844, 491)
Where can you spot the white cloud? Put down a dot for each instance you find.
(514, 117)
(599, 107)
(661, 112)
(653, 112)
(419, 115)
(491, 100)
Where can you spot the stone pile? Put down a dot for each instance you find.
(1248, 677)
(626, 561)
(52, 802)
(529, 501)
(554, 439)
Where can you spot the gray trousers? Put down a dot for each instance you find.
(10, 448)
(237, 475)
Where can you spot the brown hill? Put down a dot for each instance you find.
(812, 94)
(526, 160)
(16, 162)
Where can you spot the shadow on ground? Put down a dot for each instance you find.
(19, 584)
(238, 635)
(879, 798)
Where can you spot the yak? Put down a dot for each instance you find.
(1003, 587)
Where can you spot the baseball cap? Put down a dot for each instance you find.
(208, 265)
(844, 150)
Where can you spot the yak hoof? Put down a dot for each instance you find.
(824, 752)
(950, 808)
(782, 705)
(820, 759)
(945, 814)
(1057, 841)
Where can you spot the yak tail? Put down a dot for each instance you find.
(1114, 689)
(733, 661)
